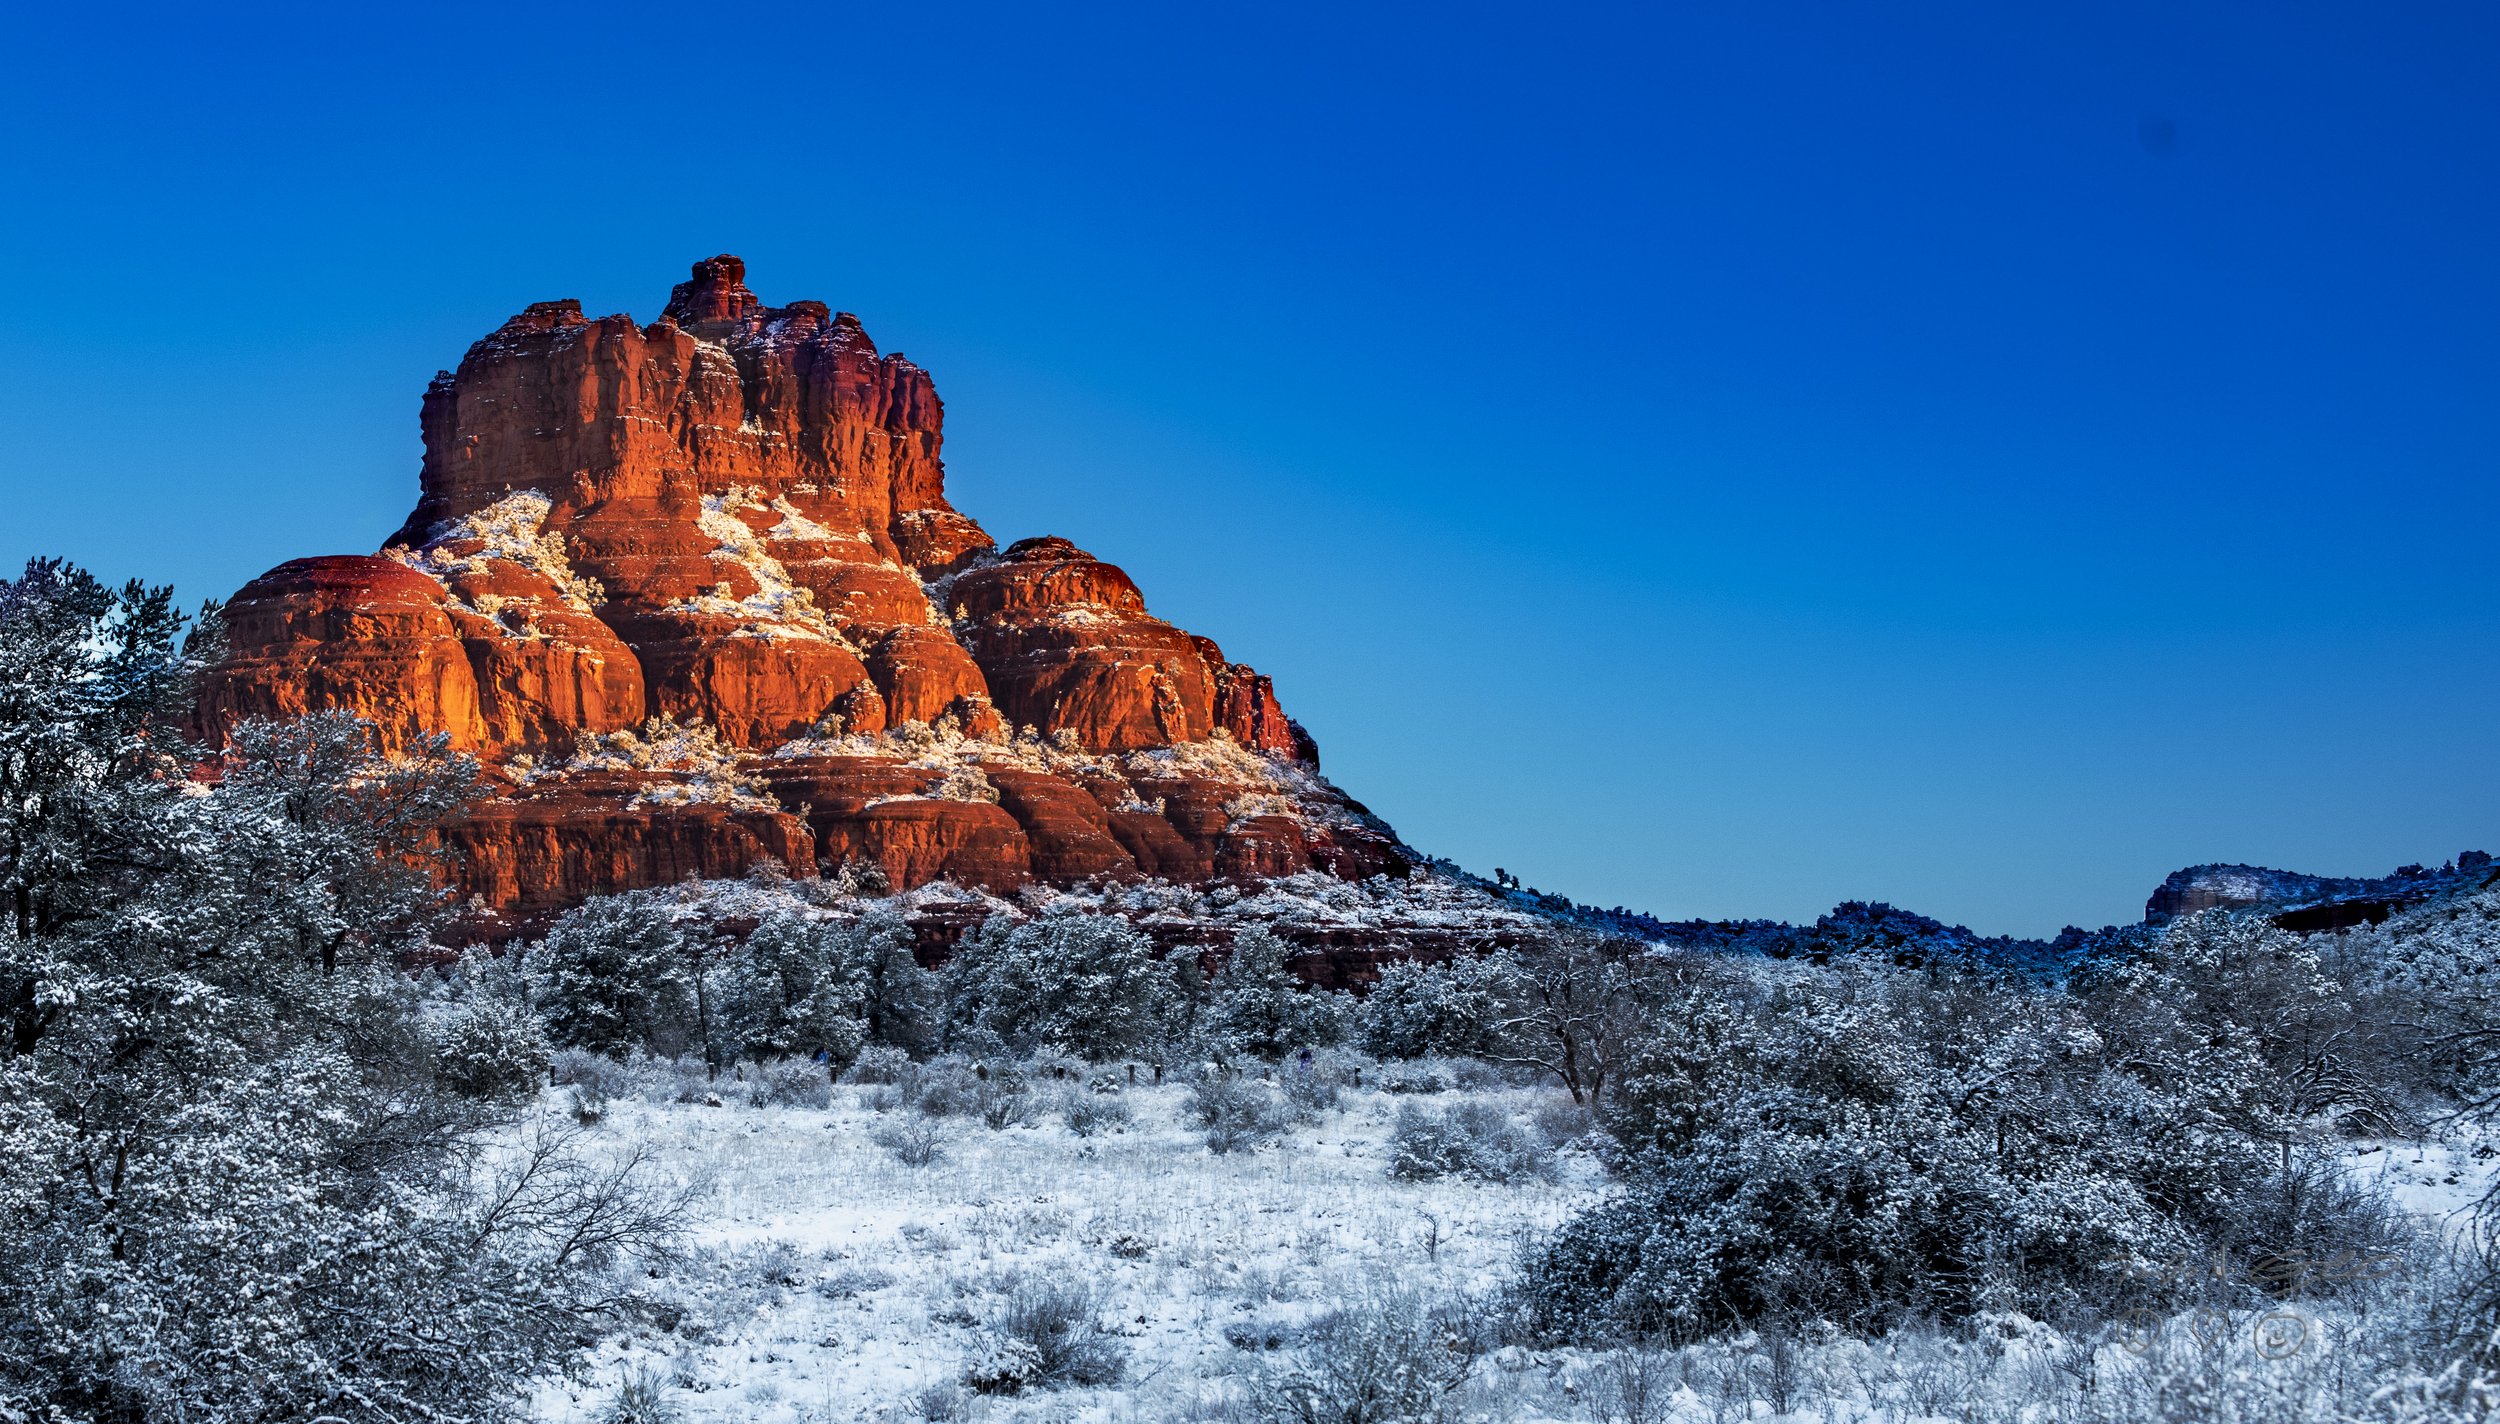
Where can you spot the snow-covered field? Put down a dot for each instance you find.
(2438, 1180)
(833, 1282)
(829, 1281)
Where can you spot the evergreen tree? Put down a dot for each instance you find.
(236, 1181)
(1086, 985)
(1453, 1008)
(614, 974)
(1257, 1004)
(899, 1003)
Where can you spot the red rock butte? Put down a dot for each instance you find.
(693, 593)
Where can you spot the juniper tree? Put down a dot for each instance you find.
(1256, 1003)
(237, 1183)
(1087, 985)
(1452, 1008)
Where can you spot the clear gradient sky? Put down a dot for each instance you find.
(1717, 459)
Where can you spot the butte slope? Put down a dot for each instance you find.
(693, 593)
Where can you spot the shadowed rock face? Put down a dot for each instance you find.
(735, 518)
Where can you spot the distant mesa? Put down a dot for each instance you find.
(693, 592)
(2311, 902)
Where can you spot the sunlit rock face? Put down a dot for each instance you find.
(734, 520)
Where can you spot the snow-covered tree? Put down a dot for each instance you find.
(1417, 1009)
(901, 1004)
(1256, 1004)
(1569, 1006)
(792, 990)
(1087, 985)
(488, 1042)
(616, 974)
(625, 973)
(238, 1184)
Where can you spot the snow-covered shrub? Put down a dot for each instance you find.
(576, 1067)
(1238, 1114)
(2250, 1013)
(1478, 1075)
(1002, 1364)
(1868, 1145)
(2429, 979)
(672, 1080)
(1838, 1186)
(940, 1404)
(776, 1265)
(643, 1397)
(882, 1064)
(1002, 1100)
(1088, 1114)
(1309, 1088)
(942, 1087)
(2426, 1025)
(1090, 986)
(2243, 1057)
(791, 1083)
(1470, 1139)
(1562, 1122)
(965, 783)
(851, 1282)
(1384, 1360)
(913, 1139)
(1429, 1076)
(703, 769)
(1418, 1009)
(1049, 1067)
(513, 528)
(590, 1079)
(1046, 1334)
(491, 1046)
(2374, 1367)
(1634, 1385)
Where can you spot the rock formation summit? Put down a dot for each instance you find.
(694, 595)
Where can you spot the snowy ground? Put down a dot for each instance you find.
(829, 1281)
(833, 1282)
(2439, 1180)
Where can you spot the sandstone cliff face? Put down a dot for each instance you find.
(734, 520)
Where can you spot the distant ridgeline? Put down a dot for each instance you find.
(1856, 928)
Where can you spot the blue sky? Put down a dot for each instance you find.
(1721, 460)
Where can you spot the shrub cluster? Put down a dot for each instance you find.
(622, 974)
(1238, 1114)
(1475, 1140)
(1046, 1335)
(1867, 1146)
